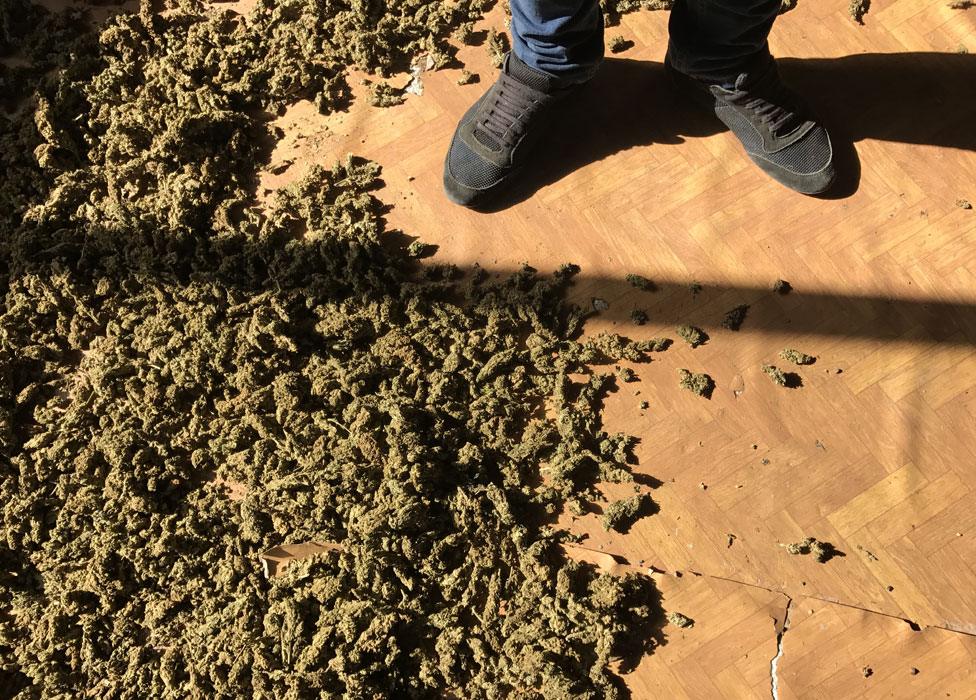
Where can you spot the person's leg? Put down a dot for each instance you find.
(717, 40)
(719, 55)
(563, 38)
(557, 46)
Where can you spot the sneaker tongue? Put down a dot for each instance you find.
(517, 69)
(536, 80)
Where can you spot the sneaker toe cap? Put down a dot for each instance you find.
(806, 166)
(469, 178)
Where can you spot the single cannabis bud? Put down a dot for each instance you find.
(695, 288)
(700, 384)
(419, 249)
(384, 95)
(618, 44)
(626, 374)
(467, 77)
(797, 357)
(964, 204)
(620, 515)
(734, 317)
(638, 316)
(858, 9)
(464, 34)
(782, 287)
(640, 282)
(654, 344)
(693, 335)
(679, 620)
(776, 374)
(821, 551)
(497, 45)
(566, 271)
(612, 346)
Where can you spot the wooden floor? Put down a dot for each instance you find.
(875, 453)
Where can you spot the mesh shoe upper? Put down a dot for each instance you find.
(774, 127)
(492, 136)
(804, 156)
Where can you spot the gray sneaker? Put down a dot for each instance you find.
(495, 136)
(780, 134)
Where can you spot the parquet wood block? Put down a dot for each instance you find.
(832, 651)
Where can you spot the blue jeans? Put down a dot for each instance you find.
(712, 40)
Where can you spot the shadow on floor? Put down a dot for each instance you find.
(919, 98)
(800, 313)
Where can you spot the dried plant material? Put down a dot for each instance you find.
(638, 316)
(700, 384)
(867, 672)
(695, 288)
(161, 335)
(420, 249)
(644, 405)
(384, 95)
(858, 9)
(618, 44)
(797, 357)
(790, 380)
(786, 6)
(782, 287)
(566, 271)
(964, 204)
(679, 620)
(600, 304)
(640, 282)
(776, 374)
(613, 10)
(821, 551)
(730, 538)
(914, 671)
(467, 78)
(464, 34)
(498, 47)
(626, 375)
(621, 515)
(654, 344)
(609, 347)
(693, 335)
(734, 318)
(961, 4)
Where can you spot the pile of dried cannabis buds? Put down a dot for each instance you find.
(161, 336)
